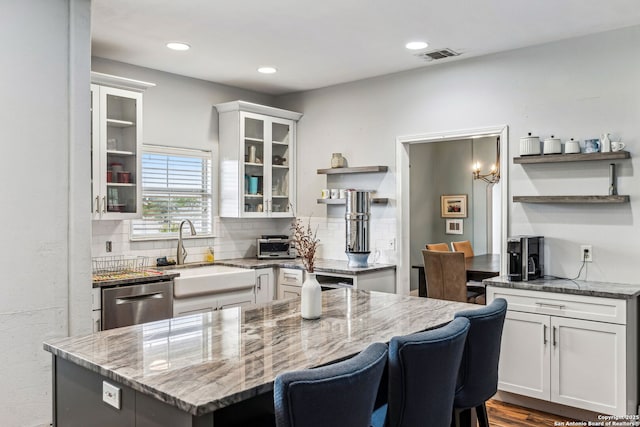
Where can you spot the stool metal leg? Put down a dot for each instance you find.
(483, 419)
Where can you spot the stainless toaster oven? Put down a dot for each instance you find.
(278, 246)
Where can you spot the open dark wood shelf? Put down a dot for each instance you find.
(571, 199)
(359, 169)
(375, 200)
(578, 157)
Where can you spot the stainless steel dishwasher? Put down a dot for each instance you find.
(134, 304)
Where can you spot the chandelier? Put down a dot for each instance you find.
(494, 171)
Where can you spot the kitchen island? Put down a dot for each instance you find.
(191, 371)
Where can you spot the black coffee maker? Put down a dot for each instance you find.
(526, 257)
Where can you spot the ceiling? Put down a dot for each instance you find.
(320, 43)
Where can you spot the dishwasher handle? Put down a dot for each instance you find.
(138, 298)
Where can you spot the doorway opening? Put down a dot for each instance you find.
(495, 196)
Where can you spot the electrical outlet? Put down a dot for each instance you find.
(111, 394)
(386, 244)
(586, 253)
(108, 246)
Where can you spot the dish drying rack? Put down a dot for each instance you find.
(119, 266)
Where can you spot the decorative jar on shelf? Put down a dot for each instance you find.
(311, 298)
(337, 161)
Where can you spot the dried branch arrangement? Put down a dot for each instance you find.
(305, 242)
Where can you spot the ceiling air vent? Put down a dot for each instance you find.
(438, 54)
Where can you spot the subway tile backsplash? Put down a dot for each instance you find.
(236, 238)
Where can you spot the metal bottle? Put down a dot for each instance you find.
(357, 216)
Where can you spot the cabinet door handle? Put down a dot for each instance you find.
(290, 276)
(554, 336)
(104, 204)
(259, 284)
(544, 334)
(97, 204)
(546, 304)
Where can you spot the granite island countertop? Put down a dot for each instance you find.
(204, 362)
(574, 287)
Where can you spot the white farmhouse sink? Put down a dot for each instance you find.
(211, 279)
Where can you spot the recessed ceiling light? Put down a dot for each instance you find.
(178, 46)
(267, 70)
(416, 45)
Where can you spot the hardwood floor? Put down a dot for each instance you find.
(507, 415)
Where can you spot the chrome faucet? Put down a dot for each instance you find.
(182, 252)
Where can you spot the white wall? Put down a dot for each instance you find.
(575, 88)
(44, 168)
(178, 112)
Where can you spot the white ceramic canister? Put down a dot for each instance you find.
(571, 147)
(529, 145)
(552, 146)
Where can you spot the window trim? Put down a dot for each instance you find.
(177, 151)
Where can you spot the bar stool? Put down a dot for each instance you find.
(478, 377)
(342, 394)
(422, 377)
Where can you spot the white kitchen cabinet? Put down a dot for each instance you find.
(265, 285)
(289, 282)
(96, 309)
(569, 349)
(213, 301)
(257, 160)
(116, 134)
(289, 291)
(239, 299)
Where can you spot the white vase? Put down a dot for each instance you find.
(605, 143)
(311, 298)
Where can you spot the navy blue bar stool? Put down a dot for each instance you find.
(478, 377)
(337, 395)
(423, 368)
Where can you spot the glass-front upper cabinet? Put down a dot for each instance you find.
(116, 133)
(257, 168)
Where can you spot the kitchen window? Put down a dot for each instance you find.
(176, 185)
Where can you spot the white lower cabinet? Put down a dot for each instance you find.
(289, 282)
(213, 301)
(265, 285)
(96, 309)
(556, 347)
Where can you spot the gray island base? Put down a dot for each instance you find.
(218, 368)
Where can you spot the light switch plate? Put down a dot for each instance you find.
(111, 394)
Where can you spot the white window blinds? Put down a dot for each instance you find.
(176, 185)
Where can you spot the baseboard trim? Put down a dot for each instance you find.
(568, 412)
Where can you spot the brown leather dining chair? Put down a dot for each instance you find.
(464, 247)
(440, 247)
(447, 276)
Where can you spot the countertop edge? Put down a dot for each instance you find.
(255, 264)
(193, 409)
(570, 287)
(165, 277)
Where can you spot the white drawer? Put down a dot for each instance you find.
(290, 276)
(564, 305)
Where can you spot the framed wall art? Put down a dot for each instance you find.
(453, 206)
(454, 226)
